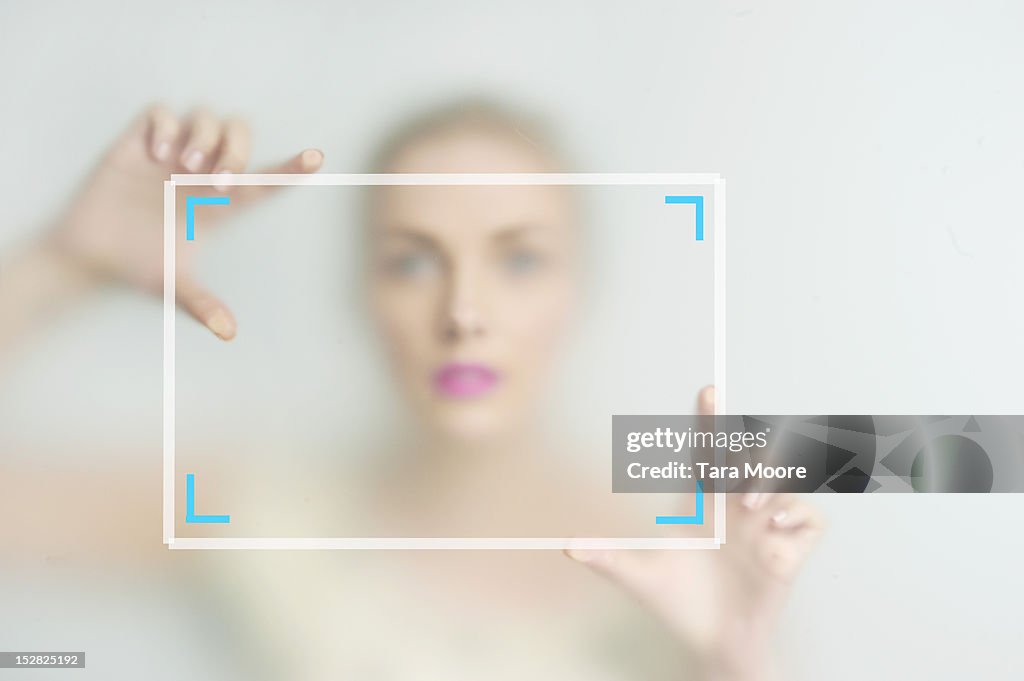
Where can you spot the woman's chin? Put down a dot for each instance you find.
(478, 425)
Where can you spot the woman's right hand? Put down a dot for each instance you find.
(113, 227)
(724, 605)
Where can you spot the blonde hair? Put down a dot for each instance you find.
(473, 115)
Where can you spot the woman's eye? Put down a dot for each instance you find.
(412, 265)
(522, 262)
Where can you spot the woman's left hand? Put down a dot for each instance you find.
(723, 604)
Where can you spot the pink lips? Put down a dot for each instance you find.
(465, 380)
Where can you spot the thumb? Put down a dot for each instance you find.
(705, 423)
(308, 161)
(206, 308)
(706, 401)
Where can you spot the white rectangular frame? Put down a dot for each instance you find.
(711, 180)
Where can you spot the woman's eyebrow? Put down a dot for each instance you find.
(399, 232)
(515, 231)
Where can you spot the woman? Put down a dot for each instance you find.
(470, 289)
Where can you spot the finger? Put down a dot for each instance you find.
(797, 516)
(162, 134)
(206, 308)
(764, 491)
(706, 401)
(233, 153)
(782, 554)
(202, 140)
(705, 410)
(754, 501)
(308, 161)
(626, 568)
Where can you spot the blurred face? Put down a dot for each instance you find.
(472, 287)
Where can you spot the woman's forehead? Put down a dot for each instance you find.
(472, 149)
(482, 211)
(461, 211)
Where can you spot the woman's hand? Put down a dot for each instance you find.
(724, 604)
(114, 226)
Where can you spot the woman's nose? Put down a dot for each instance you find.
(463, 318)
(463, 321)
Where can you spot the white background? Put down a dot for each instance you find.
(874, 156)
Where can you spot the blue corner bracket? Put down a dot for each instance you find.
(190, 505)
(698, 515)
(190, 211)
(697, 202)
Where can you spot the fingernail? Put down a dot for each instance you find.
(220, 324)
(162, 151)
(194, 160)
(312, 157)
(581, 555)
(750, 499)
(222, 187)
(779, 517)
